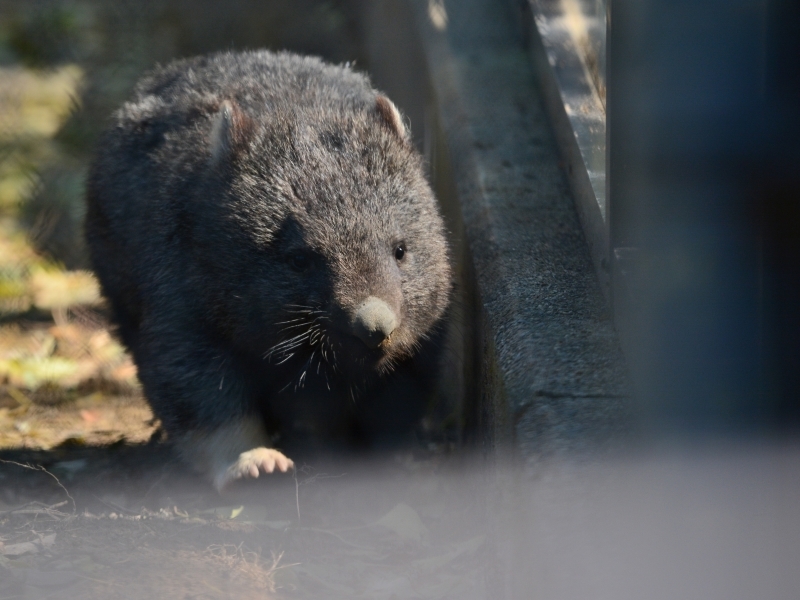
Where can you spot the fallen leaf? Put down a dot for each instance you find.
(125, 372)
(405, 522)
(32, 372)
(223, 512)
(59, 289)
(90, 416)
(33, 547)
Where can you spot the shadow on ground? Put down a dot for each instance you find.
(129, 521)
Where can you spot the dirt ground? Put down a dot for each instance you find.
(99, 518)
(129, 523)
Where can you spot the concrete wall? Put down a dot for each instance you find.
(549, 374)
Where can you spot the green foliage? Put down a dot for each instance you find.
(43, 38)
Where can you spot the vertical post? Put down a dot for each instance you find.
(704, 207)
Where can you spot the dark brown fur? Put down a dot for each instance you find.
(242, 209)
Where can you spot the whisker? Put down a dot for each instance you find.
(282, 352)
(290, 321)
(301, 337)
(298, 338)
(287, 348)
(285, 359)
(301, 381)
(303, 324)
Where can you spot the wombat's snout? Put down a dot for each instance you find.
(374, 321)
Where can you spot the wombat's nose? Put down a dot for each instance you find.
(374, 321)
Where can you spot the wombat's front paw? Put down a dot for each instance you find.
(251, 464)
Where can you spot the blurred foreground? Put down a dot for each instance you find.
(127, 521)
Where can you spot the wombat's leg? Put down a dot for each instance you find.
(205, 405)
(232, 451)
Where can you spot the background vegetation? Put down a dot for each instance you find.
(65, 65)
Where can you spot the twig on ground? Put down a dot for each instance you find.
(297, 494)
(311, 479)
(248, 562)
(43, 470)
(26, 510)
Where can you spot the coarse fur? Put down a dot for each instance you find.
(243, 208)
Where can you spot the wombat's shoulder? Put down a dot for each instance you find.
(259, 81)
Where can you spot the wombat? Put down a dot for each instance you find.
(272, 253)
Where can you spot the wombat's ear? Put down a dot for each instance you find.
(391, 116)
(229, 130)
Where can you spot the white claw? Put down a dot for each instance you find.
(251, 464)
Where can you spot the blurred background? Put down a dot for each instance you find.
(704, 217)
(679, 125)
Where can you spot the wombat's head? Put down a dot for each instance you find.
(340, 262)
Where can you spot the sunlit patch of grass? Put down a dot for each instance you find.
(15, 250)
(13, 293)
(15, 184)
(66, 358)
(36, 103)
(32, 372)
(53, 288)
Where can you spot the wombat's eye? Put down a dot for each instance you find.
(300, 262)
(400, 251)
